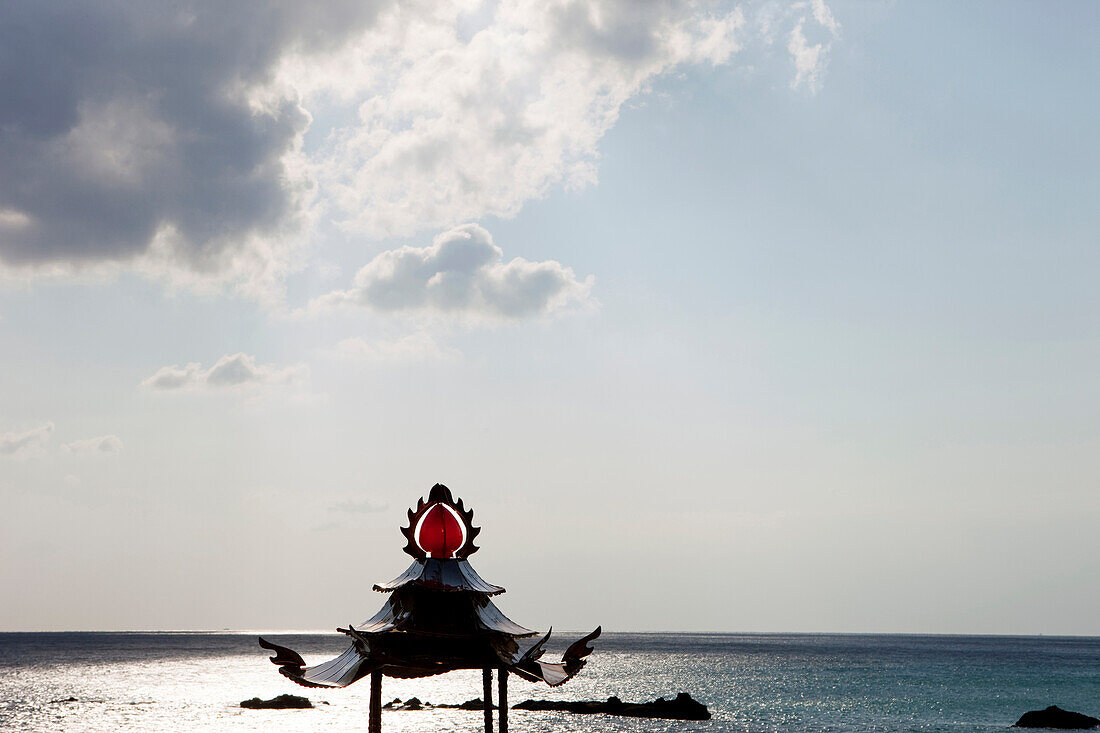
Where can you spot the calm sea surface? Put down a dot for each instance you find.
(755, 682)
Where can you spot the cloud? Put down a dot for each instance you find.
(415, 347)
(29, 444)
(239, 371)
(824, 16)
(809, 60)
(170, 138)
(131, 132)
(456, 119)
(462, 274)
(104, 445)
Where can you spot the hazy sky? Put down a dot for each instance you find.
(734, 317)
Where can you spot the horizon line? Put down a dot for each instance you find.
(246, 632)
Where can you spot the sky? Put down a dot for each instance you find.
(763, 316)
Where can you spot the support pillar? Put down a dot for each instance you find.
(374, 725)
(487, 697)
(502, 685)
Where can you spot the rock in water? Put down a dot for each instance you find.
(475, 704)
(1056, 717)
(681, 708)
(277, 703)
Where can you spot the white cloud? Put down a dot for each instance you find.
(824, 16)
(462, 274)
(454, 123)
(104, 445)
(414, 347)
(808, 60)
(232, 371)
(12, 219)
(29, 444)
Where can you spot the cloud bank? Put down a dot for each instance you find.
(232, 371)
(472, 110)
(462, 274)
(170, 138)
(29, 444)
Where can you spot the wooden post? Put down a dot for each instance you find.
(502, 684)
(374, 724)
(487, 697)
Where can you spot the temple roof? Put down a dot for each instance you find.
(417, 611)
(438, 615)
(441, 574)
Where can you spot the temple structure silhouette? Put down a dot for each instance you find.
(438, 617)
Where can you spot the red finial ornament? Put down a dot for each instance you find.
(440, 531)
(440, 527)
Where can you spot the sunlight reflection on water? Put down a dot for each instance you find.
(177, 691)
(752, 683)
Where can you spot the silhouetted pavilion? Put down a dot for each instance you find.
(438, 618)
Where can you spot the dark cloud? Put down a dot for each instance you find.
(120, 120)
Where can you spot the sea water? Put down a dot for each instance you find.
(750, 682)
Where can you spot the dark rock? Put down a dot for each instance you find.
(412, 703)
(67, 699)
(681, 708)
(1056, 717)
(475, 704)
(277, 703)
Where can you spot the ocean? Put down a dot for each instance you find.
(751, 682)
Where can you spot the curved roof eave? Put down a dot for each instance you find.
(447, 574)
